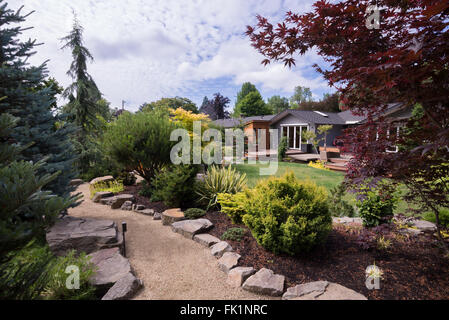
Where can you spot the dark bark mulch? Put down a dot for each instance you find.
(134, 190)
(414, 268)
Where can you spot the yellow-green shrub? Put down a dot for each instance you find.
(287, 215)
(110, 186)
(232, 205)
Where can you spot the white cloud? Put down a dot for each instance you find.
(145, 50)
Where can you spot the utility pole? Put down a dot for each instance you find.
(123, 104)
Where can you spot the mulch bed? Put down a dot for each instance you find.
(414, 268)
(134, 190)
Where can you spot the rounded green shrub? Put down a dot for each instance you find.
(194, 213)
(232, 205)
(376, 209)
(234, 234)
(286, 215)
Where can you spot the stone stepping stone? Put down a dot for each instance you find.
(265, 282)
(189, 228)
(238, 275)
(218, 249)
(206, 239)
(83, 235)
(347, 220)
(124, 289)
(101, 179)
(172, 215)
(111, 266)
(138, 207)
(228, 261)
(321, 290)
(101, 195)
(120, 199)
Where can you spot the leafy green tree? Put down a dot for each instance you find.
(83, 93)
(278, 104)
(247, 88)
(140, 142)
(170, 103)
(30, 97)
(300, 95)
(253, 105)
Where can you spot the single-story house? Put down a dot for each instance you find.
(292, 123)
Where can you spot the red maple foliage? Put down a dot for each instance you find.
(405, 60)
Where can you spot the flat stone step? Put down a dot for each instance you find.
(111, 266)
(228, 261)
(321, 290)
(83, 235)
(101, 179)
(206, 239)
(125, 288)
(189, 228)
(98, 196)
(218, 249)
(238, 275)
(120, 200)
(265, 282)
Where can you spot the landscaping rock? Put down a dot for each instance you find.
(147, 212)
(424, 225)
(127, 206)
(76, 182)
(238, 275)
(265, 282)
(206, 239)
(228, 261)
(172, 215)
(107, 201)
(110, 265)
(124, 289)
(120, 200)
(346, 220)
(410, 231)
(218, 249)
(138, 207)
(321, 290)
(83, 235)
(189, 228)
(157, 216)
(102, 179)
(101, 195)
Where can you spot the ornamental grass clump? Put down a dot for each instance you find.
(219, 180)
(286, 215)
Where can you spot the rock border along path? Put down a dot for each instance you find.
(186, 264)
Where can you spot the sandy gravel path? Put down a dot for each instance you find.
(171, 266)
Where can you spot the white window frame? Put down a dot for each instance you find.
(294, 126)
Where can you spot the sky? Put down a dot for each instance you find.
(145, 50)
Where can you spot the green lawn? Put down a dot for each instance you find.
(325, 178)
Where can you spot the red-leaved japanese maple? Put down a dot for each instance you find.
(405, 60)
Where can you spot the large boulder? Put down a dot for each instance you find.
(124, 288)
(218, 249)
(189, 228)
(321, 290)
(101, 195)
(120, 199)
(238, 275)
(206, 239)
(172, 215)
(228, 261)
(265, 282)
(83, 235)
(110, 265)
(101, 179)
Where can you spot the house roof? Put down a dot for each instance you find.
(233, 122)
(319, 117)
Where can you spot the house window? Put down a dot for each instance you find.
(294, 134)
(393, 134)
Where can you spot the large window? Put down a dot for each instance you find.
(294, 135)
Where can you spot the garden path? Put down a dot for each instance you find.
(171, 266)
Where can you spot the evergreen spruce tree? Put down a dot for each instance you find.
(83, 93)
(28, 98)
